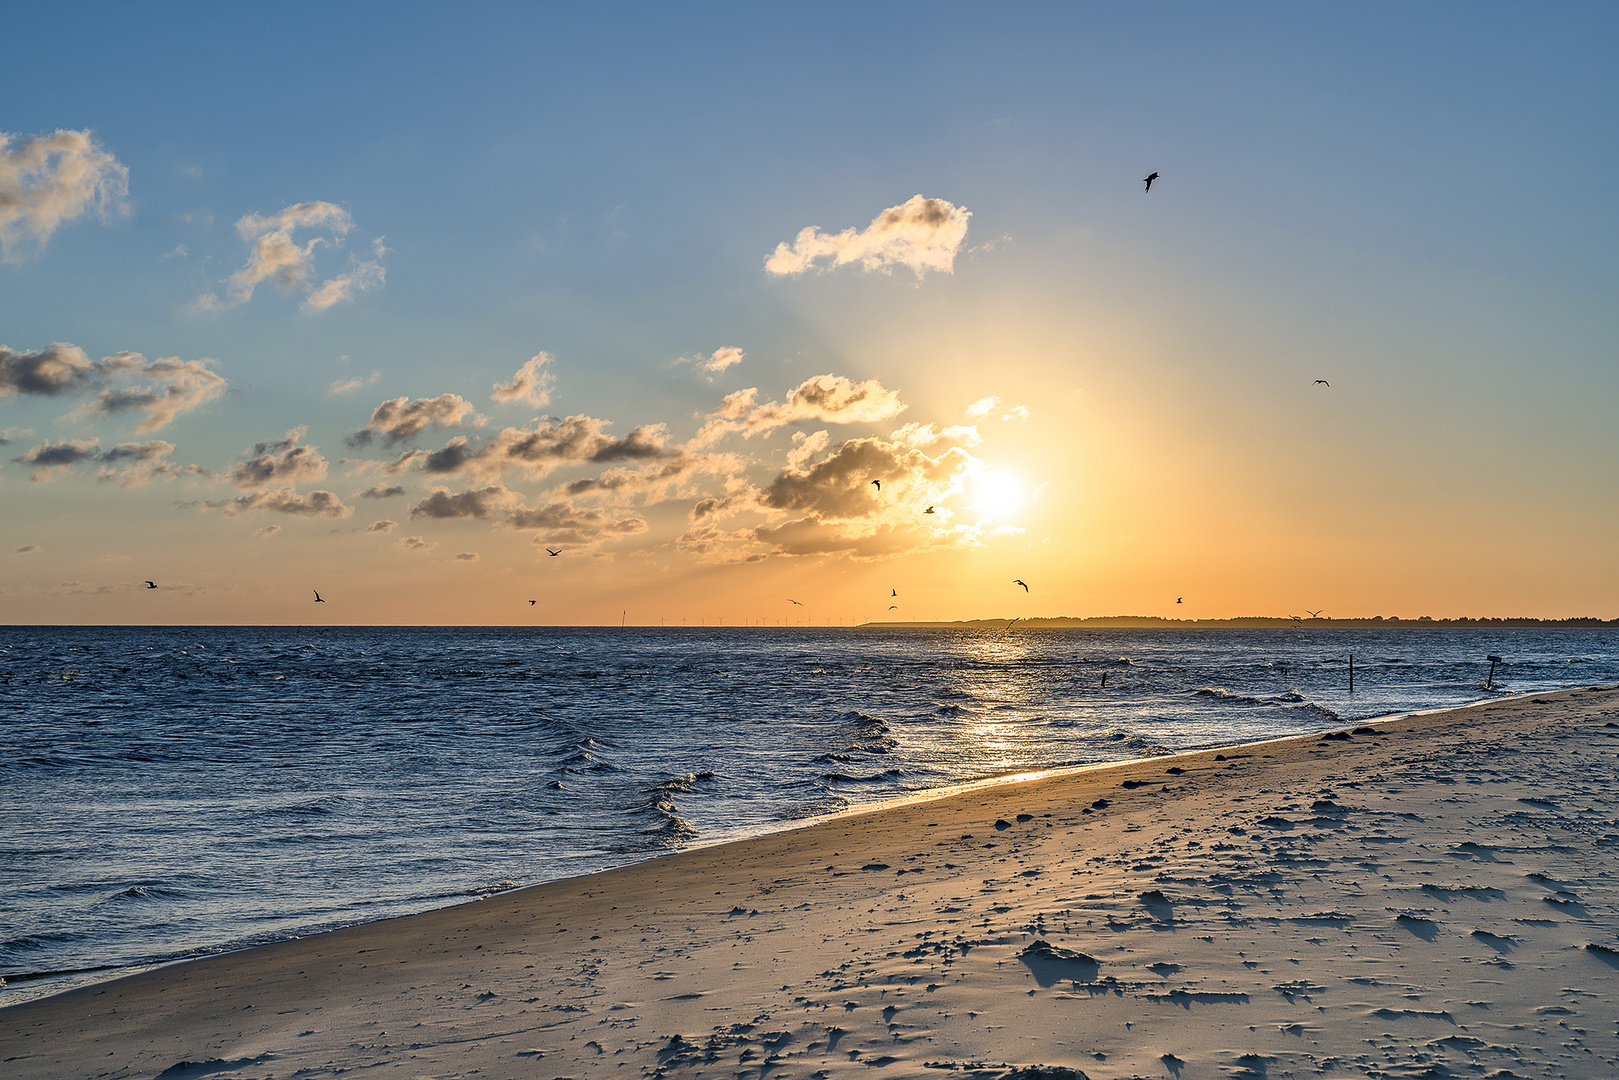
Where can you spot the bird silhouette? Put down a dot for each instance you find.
(1178, 599)
(1313, 614)
(929, 510)
(318, 599)
(1019, 581)
(551, 553)
(531, 603)
(151, 584)
(893, 592)
(1150, 178)
(878, 484)
(1322, 382)
(790, 600)
(893, 607)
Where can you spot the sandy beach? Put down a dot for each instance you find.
(1435, 896)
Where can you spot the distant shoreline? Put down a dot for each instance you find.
(1143, 622)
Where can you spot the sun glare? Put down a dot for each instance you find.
(998, 494)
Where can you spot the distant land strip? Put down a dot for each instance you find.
(1147, 621)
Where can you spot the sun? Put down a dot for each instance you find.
(998, 494)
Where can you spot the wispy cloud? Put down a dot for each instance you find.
(532, 383)
(127, 464)
(715, 362)
(159, 390)
(921, 233)
(267, 530)
(384, 526)
(286, 500)
(340, 387)
(382, 491)
(467, 556)
(25, 549)
(538, 451)
(274, 254)
(50, 179)
(415, 543)
(986, 405)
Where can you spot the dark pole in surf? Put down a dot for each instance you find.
(1489, 683)
(1351, 673)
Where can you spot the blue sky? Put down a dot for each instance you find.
(1413, 202)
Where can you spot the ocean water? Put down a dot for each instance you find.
(169, 792)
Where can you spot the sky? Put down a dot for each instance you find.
(818, 315)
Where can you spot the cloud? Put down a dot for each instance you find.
(653, 481)
(467, 556)
(821, 399)
(532, 383)
(561, 523)
(25, 549)
(923, 234)
(160, 389)
(281, 461)
(383, 526)
(268, 530)
(348, 386)
(380, 492)
(401, 419)
(926, 436)
(315, 504)
(273, 254)
(415, 543)
(538, 451)
(1019, 413)
(128, 464)
(50, 179)
(361, 276)
(482, 503)
(983, 406)
(717, 361)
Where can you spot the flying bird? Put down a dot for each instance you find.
(1313, 614)
(1178, 599)
(531, 603)
(893, 607)
(929, 510)
(1322, 382)
(553, 554)
(318, 599)
(1019, 581)
(790, 600)
(893, 592)
(151, 584)
(878, 484)
(1150, 178)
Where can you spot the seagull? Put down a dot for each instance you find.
(1322, 382)
(531, 603)
(553, 554)
(1313, 614)
(893, 607)
(878, 484)
(318, 600)
(929, 510)
(1150, 178)
(1178, 599)
(151, 584)
(790, 600)
(1019, 581)
(893, 592)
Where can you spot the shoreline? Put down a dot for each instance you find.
(110, 973)
(1313, 905)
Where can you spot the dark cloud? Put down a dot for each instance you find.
(467, 556)
(575, 440)
(482, 503)
(381, 492)
(316, 504)
(129, 464)
(279, 461)
(56, 369)
(401, 419)
(415, 543)
(383, 526)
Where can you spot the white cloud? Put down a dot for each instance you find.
(172, 386)
(923, 234)
(340, 387)
(983, 406)
(923, 436)
(822, 399)
(50, 179)
(717, 361)
(273, 254)
(1019, 413)
(532, 383)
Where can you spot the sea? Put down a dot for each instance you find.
(169, 792)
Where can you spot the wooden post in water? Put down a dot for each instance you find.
(1351, 673)
(1489, 683)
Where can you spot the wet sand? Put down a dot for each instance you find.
(1438, 896)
